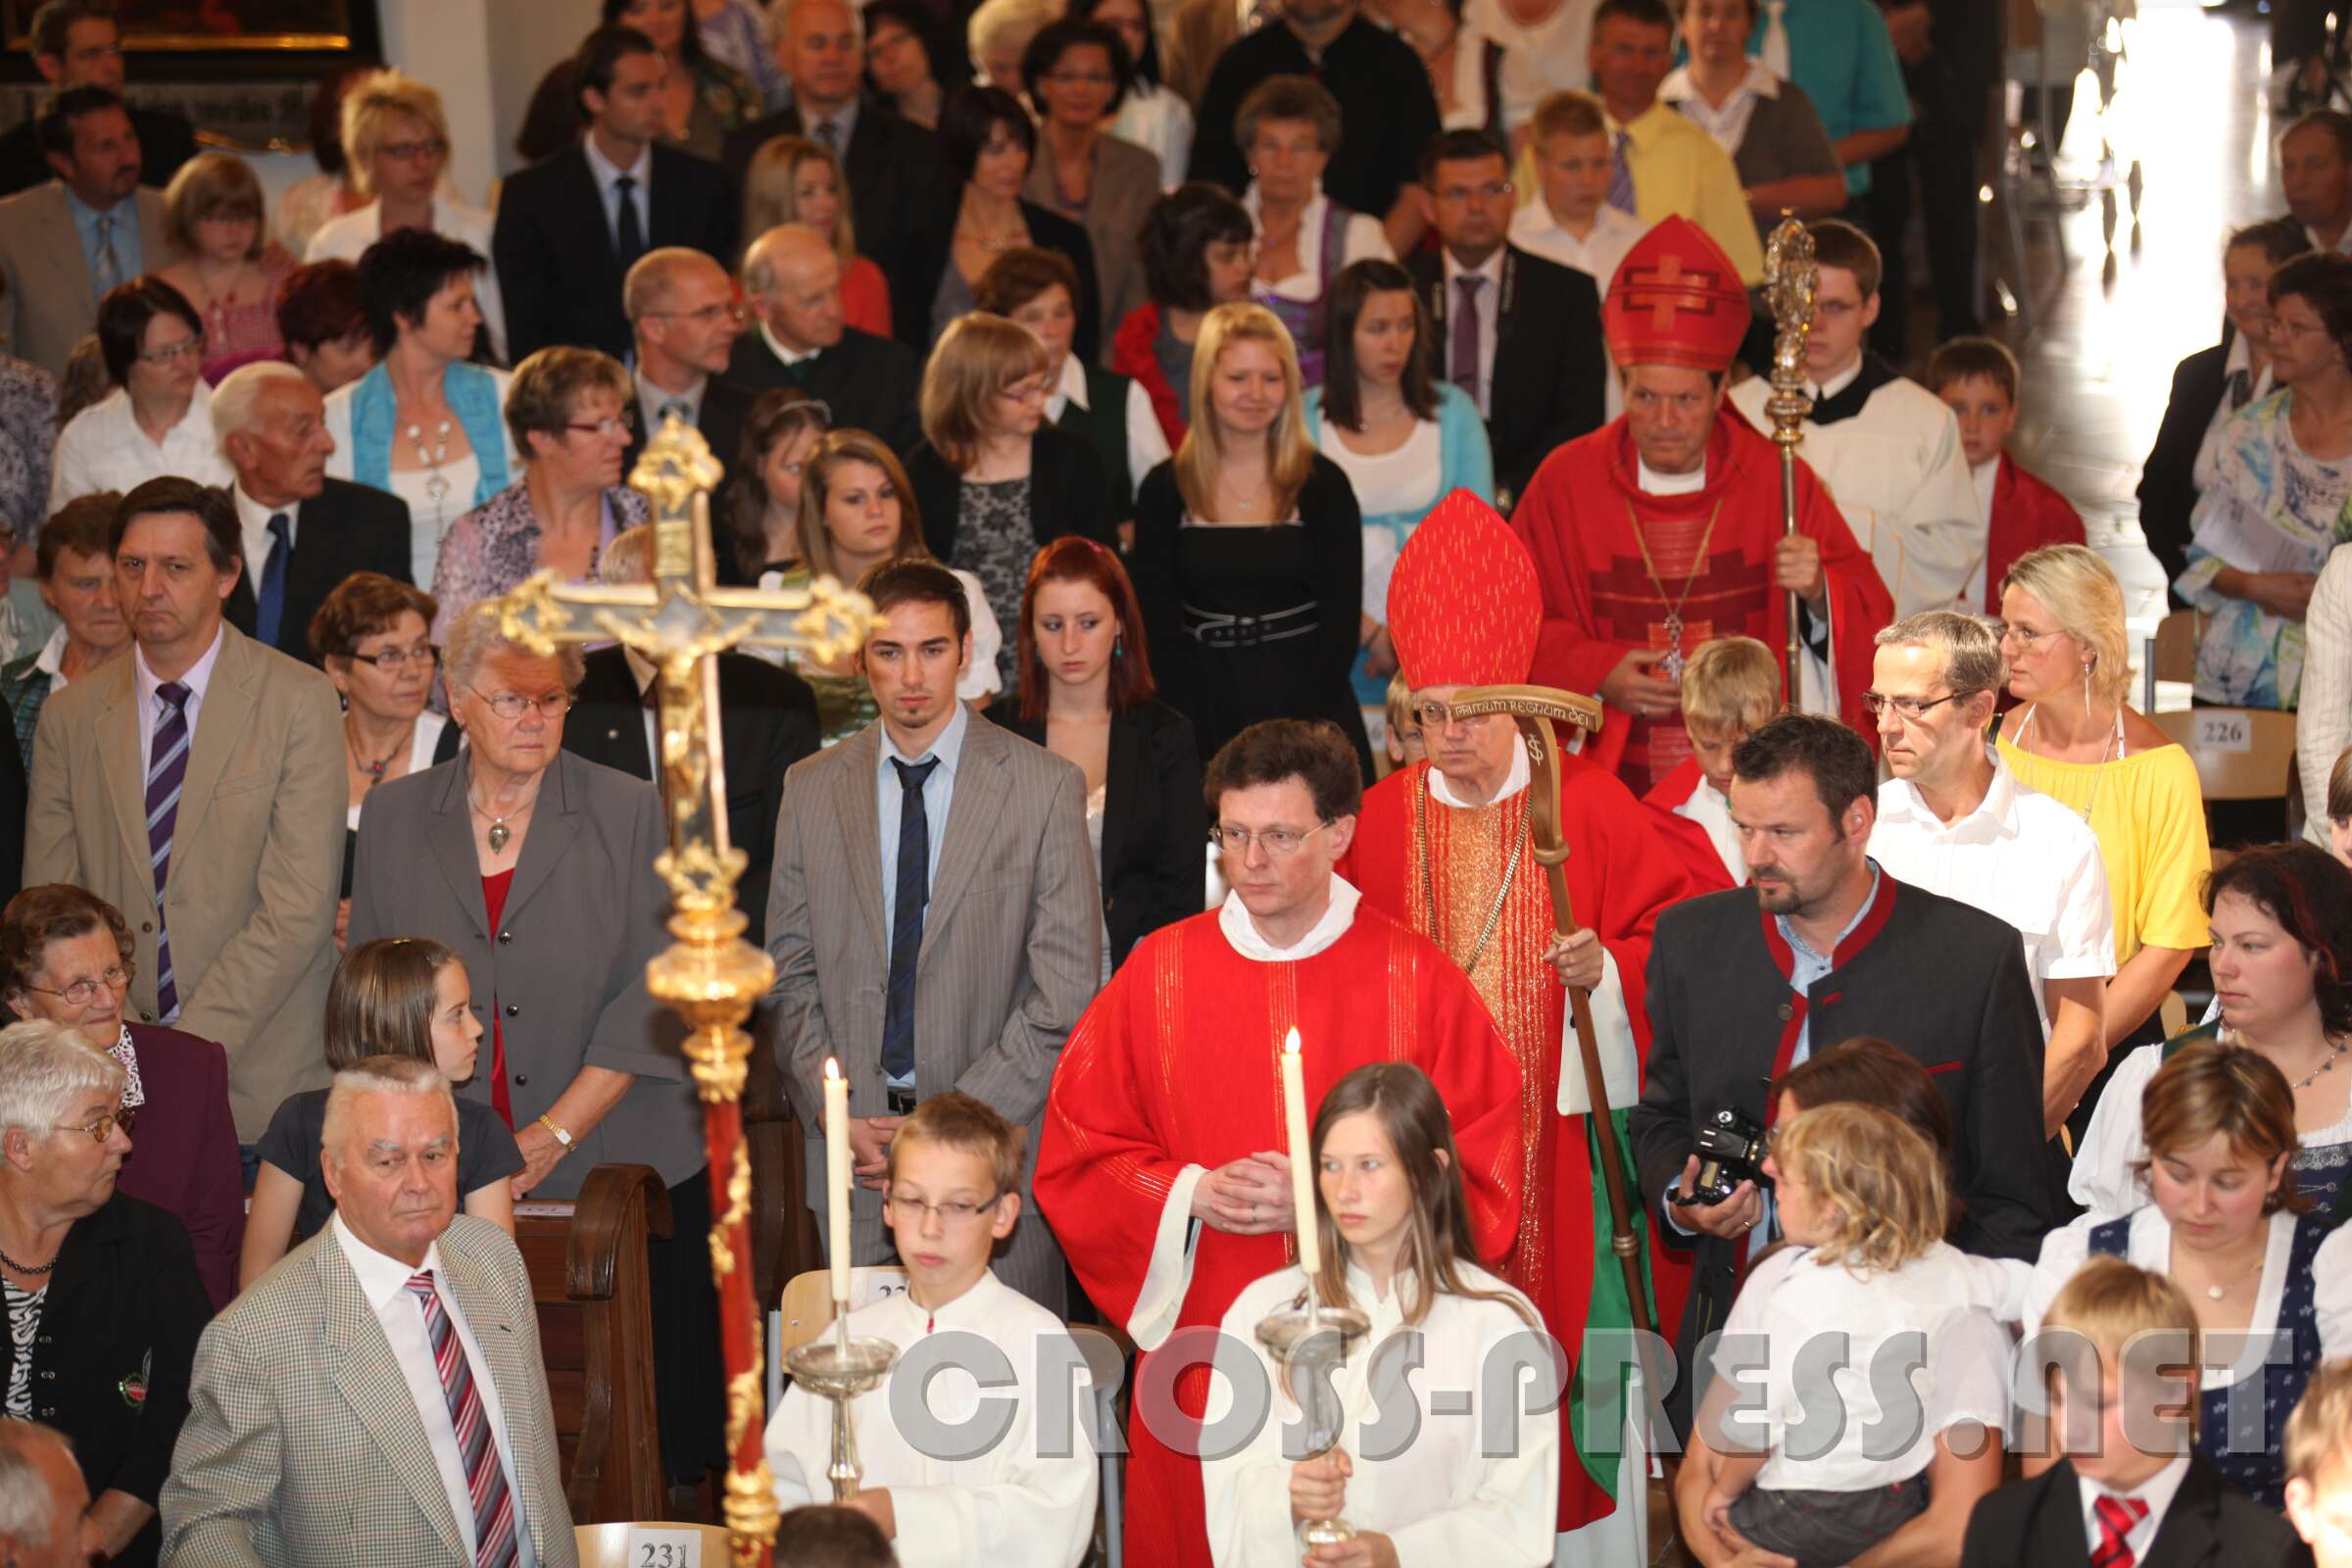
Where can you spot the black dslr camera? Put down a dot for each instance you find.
(1730, 1150)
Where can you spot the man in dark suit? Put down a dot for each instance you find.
(303, 533)
(900, 197)
(74, 45)
(1823, 946)
(792, 279)
(570, 227)
(1521, 335)
(685, 320)
(767, 721)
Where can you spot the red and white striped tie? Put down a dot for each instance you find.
(494, 1543)
(2116, 1516)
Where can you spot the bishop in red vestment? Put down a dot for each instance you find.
(1445, 846)
(1663, 528)
(1162, 1166)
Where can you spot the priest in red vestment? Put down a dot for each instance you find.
(1663, 528)
(1162, 1166)
(1445, 846)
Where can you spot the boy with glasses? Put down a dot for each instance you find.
(949, 1194)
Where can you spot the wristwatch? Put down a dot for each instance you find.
(560, 1136)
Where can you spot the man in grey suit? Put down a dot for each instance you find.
(380, 1395)
(198, 786)
(64, 244)
(932, 913)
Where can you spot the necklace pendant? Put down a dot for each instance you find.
(1672, 663)
(2214, 1293)
(499, 834)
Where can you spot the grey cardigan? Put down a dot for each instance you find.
(565, 972)
(1125, 185)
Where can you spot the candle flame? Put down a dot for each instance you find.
(1291, 1041)
(833, 1070)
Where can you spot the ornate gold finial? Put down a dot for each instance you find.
(675, 467)
(1789, 276)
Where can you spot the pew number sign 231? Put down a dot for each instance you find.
(665, 1548)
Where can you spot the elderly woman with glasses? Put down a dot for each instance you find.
(536, 868)
(572, 412)
(66, 956)
(102, 1296)
(158, 417)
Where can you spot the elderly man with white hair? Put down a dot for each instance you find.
(380, 1395)
(101, 1292)
(304, 532)
(792, 280)
(44, 1502)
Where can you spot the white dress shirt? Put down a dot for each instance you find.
(1146, 443)
(199, 675)
(2157, 1492)
(653, 400)
(2016, 855)
(606, 174)
(1729, 123)
(1713, 814)
(103, 448)
(1363, 239)
(51, 660)
(785, 356)
(1597, 255)
(1539, 58)
(1490, 307)
(384, 1282)
(253, 520)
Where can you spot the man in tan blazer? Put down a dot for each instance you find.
(65, 243)
(967, 980)
(378, 1396)
(198, 786)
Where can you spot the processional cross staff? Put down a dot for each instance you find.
(1789, 276)
(709, 978)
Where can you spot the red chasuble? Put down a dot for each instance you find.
(1175, 1065)
(1411, 850)
(2027, 514)
(1600, 601)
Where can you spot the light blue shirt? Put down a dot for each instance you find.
(606, 174)
(939, 793)
(125, 214)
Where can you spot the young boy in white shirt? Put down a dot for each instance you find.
(951, 1194)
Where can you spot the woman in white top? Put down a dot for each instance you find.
(397, 140)
(1288, 128)
(423, 424)
(1392, 1241)
(2282, 961)
(1153, 115)
(158, 417)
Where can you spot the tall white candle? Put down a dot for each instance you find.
(1303, 1154)
(837, 1176)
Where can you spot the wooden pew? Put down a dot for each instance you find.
(589, 1281)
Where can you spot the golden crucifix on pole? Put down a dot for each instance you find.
(709, 978)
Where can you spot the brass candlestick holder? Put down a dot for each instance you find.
(1309, 1343)
(842, 1368)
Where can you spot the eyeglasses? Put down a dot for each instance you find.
(405, 152)
(1909, 708)
(192, 347)
(622, 423)
(1277, 841)
(948, 1214)
(2030, 641)
(1492, 191)
(392, 659)
(508, 707)
(104, 1127)
(81, 992)
(1433, 714)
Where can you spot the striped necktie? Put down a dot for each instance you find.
(167, 771)
(2116, 1516)
(1621, 173)
(494, 1543)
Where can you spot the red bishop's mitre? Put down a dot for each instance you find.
(1675, 300)
(1463, 603)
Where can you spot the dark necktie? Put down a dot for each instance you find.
(1462, 336)
(629, 229)
(913, 892)
(2241, 389)
(2116, 1516)
(830, 134)
(494, 1544)
(106, 269)
(167, 771)
(269, 603)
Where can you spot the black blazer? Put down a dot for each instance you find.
(1548, 358)
(553, 248)
(1065, 492)
(1047, 231)
(344, 528)
(870, 383)
(166, 142)
(2039, 1522)
(901, 198)
(2168, 483)
(720, 419)
(118, 1338)
(767, 721)
(1154, 820)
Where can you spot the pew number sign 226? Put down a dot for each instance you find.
(665, 1548)
(2223, 730)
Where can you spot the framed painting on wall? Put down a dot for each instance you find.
(172, 26)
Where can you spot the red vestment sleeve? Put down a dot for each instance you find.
(1692, 845)
(1635, 869)
(2027, 514)
(1478, 1078)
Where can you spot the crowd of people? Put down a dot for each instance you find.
(1204, 399)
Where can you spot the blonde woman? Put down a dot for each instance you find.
(213, 213)
(993, 482)
(793, 179)
(2073, 739)
(396, 140)
(1250, 548)
(857, 512)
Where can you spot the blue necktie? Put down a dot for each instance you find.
(270, 602)
(907, 919)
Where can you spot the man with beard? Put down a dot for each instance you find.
(1826, 946)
